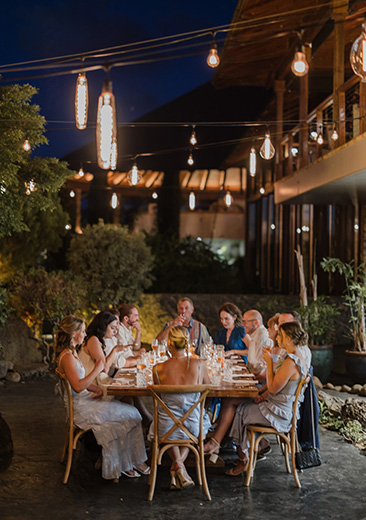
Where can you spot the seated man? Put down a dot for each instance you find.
(198, 333)
(256, 337)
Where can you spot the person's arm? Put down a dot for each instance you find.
(68, 364)
(276, 382)
(204, 375)
(94, 348)
(163, 335)
(236, 352)
(137, 342)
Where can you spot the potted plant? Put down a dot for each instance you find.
(319, 318)
(354, 297)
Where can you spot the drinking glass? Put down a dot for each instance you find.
(141, 375)
(216, 374)
(228, 370)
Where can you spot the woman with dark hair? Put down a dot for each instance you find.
(231, 336)
(274, 408)
(103, 326)
(116, 426)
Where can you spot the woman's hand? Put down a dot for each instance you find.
(97, 391)
(267, 356)
(259, 399)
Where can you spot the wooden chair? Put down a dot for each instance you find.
(73, 432)
(288, 440)
(162, 444)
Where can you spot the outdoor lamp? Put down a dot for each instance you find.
(190, 160)
(252, 162)
(228, 199)
(193, 139)
(192, 201)
(26, 145)
(213, 59)
(107, 129)
(134, 175)
(358, 54)
(267, 150)
(114, 201)
(299, 65)
(81, 172)
(334, 135)
(81, 101)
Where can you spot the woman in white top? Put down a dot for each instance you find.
(116, 426)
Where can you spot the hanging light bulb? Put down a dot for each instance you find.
(114, 201)
(134, 175)
(358, 54)
(228, 199)
(81, 172)
(193, 139)
(252, 162)
(72, 194)
(262, 191)
(29, 187)
(213, 59)
(81, 101)
(320, 139)
(154, 195)
(334, 135)
(267, 150)
(190, 159)
(107, 129)
(26, 145)
(192, 201)
(299, 65)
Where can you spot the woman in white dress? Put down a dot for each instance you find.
(116, 426)
(274, 407)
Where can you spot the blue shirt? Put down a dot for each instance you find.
(235, 339)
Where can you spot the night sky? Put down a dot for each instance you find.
(48, 28)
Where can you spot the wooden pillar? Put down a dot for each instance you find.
(362, 107)
(339, 15)
(78, 211)
(280, 89)
(303, 114)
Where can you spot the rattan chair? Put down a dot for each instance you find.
(73, 432)
(288, 440)
(162, 444)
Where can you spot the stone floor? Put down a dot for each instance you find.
(31, 488)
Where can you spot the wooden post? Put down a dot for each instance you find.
(339, 15)
(303, 114)
(280, 89)
(362, 107)
(78, 211)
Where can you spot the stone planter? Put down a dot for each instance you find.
(322, 361)
(356, 366)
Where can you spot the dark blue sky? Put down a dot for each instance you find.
(47, 28)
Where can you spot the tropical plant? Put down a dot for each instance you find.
(354, 296)
(319, 318)
(113, 263)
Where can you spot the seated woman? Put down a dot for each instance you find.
(275, 409)
(231, 336)
(116, 426)
(180, 369)
(272, 333)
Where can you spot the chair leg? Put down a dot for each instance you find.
(198, 467)
(153, 471)
(203, 473)
(251, 463)
(69, 457)
(293, 460)
(64, 449)
(285, 450)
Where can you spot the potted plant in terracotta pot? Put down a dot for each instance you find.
(319, 318)
(354, 297)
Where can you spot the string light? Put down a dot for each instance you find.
(213, 59)
(81, 102)
(107, 129)
(133, 175)
(154, 195)
(72, 194)
(81, 172)
(193, 139)
(192, 201)
(190, 160)
(334, 135)
(320, 139)
(252, 162)
(358, 54)
(26, 145)
(114, 201)
(299, 65)
(30, 187)
(262, 191)
(267, 149)
(228, 199)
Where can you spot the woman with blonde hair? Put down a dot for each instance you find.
(180, 369)
(116, 426)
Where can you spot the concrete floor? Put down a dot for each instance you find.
(31, 488)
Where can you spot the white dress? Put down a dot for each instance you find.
(116, 427)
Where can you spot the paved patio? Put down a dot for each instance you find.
(31, 488)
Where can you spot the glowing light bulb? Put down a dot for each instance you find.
(192, 201)
(72, 194)
(299, 65)
(68, 227)
(213, 59)
(314, 134)
(228, 199)
(29, 187)
(154, 195)
(334, 135)
(114, 201)
(81, 102)
(107, 129)
(81, 172)
(320, 139)
(190, 160)
(193, 139)
(262, 191)
(358, 54)
(134, 175)
(267, 149)
(26, 145)
(252, 162)
(273, 227)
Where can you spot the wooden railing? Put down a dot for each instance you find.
(349, 122)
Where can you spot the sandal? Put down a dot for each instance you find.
(145, 471)
(233, 472)
(213, 452)
(131, 473)
(182, 477)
